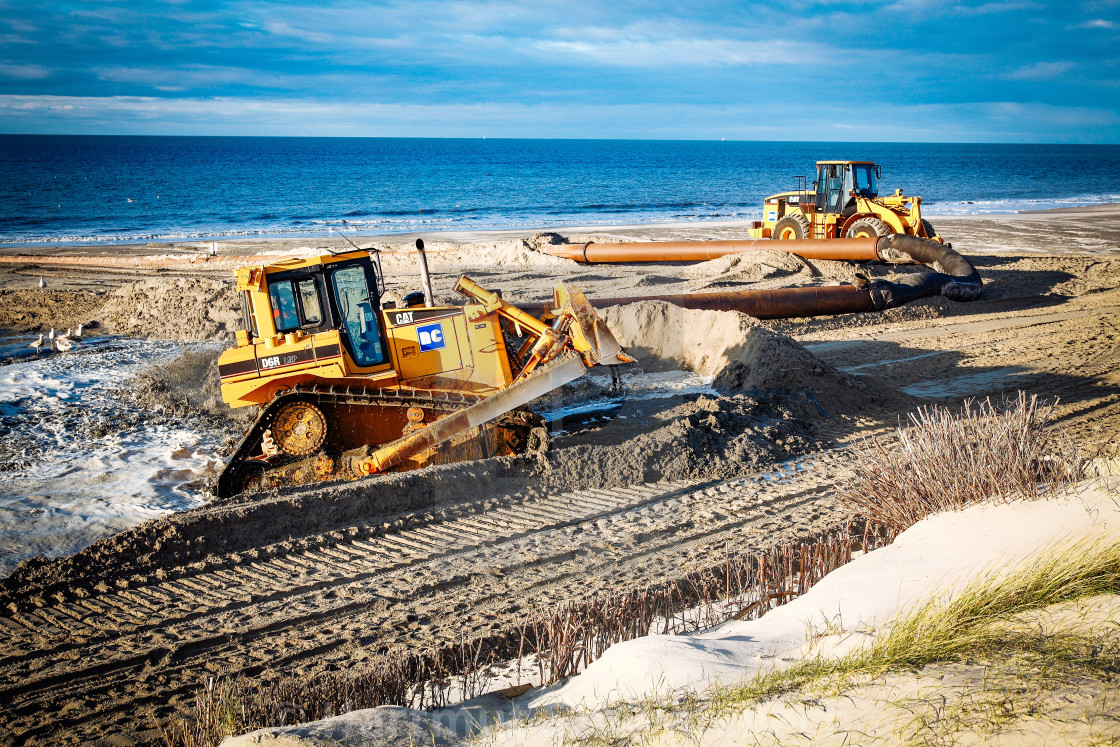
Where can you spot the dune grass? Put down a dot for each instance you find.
(984, 624)
(969, 624)
(945, 461)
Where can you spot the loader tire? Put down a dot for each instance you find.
(865, 228)
(791, 227)
(928, 228)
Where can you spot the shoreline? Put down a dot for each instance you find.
(674, 229)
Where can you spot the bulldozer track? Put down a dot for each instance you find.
(428, 583)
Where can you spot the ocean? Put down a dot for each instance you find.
(117, 189)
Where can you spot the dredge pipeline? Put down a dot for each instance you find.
(950, 275)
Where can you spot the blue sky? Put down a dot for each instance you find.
(899, 70)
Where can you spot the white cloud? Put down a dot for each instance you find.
(191, 77)
(811, 120)
(23, 72)
(283, 28)
(646, 52)
(1042, 71)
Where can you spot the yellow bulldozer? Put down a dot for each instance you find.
(844, 202)
(347, 387)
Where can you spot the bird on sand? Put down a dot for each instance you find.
(51, 335)
(42, 282)
(78, 335)
(38, 344)
(63, 344)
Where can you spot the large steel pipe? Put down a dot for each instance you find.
(779, 303)
(949, 274)
(858, 250)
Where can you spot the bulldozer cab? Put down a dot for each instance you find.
(299, 299)
(339, 296)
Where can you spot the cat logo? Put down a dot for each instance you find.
(431, 337)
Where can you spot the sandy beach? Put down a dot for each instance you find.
(116, 638)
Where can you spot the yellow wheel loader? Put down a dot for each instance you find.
(844, 202)
(347, 387)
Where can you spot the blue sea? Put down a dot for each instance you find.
(115, 189)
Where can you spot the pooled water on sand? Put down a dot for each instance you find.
(77, 463)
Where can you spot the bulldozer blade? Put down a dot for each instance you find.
(603, 348)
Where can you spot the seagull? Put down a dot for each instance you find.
(38, 344)
(63, 344)
(78, 334)
(51, 335)
(42, 282)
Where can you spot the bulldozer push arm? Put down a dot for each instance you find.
(559, 372)
(562, 352)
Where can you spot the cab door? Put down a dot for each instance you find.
(357, 311)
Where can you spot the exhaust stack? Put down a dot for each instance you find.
(425, 279)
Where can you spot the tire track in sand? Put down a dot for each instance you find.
(103, 663)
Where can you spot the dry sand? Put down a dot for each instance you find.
(108, 641)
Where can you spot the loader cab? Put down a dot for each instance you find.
(838, 182)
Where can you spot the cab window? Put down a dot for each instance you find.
(359, 317)
(283, 306)
(295, 304)
(865, 180)
(309, 298)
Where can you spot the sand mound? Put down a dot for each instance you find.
(664, 337)
(682, 438)
(511, 254)
(173, 309)
(742, 355)
(771, 362)
(42, 309)
(747, 267)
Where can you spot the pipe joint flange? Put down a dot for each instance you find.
(961, 291)
(893, 256)
(882, 296)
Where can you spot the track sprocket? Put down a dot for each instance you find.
(299, 428)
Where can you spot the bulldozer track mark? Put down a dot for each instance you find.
(307, 605)
(958, 327)
(538, 548)
(225, 589)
